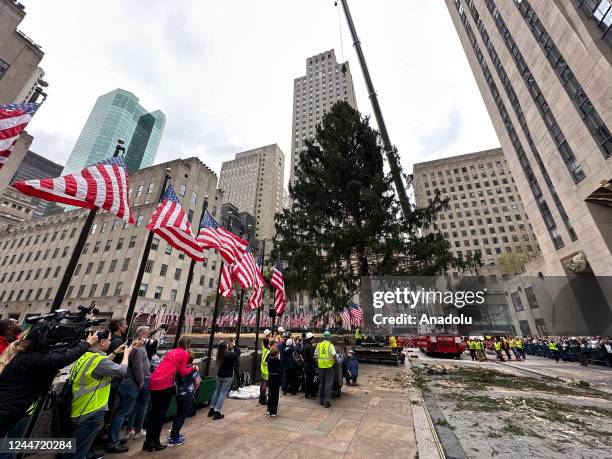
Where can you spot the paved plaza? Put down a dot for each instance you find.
(373, 419)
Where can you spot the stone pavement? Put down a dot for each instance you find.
(373, 419)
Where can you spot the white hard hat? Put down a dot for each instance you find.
(267, 332)
(281, 329)
(309, 335)
(289, 342)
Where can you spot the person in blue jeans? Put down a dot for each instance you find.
(227, 356)
(186, 388)
(138, 369)
(136, 420)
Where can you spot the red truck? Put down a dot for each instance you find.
(445, 345)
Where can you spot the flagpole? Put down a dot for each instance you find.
(213, 323)
(145, 256)
(254, 365)
(78, 248)
(181, 321)
(239, 324)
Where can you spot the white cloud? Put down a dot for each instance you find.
(223, 72)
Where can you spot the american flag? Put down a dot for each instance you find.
(278, 282)
(171, 223)
(104, 185)
(13, 120)
(356, 314)
(226, 284)
(257, 293)
(345, 315)
(214, 236)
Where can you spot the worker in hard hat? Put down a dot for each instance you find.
(325, 355)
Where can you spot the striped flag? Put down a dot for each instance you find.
(345, 315)
(170, 222)
(278, 282)
(104, 185)
(356, 314)
(13, 120)
(226, 284)
(213, 236)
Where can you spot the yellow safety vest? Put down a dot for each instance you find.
(497, 345)
(512, 343)
(392, 341)
(519, 343)
(553, 346)
(358, 334)
(471, 344)
(325, 358)
(264, 364)
(88, 394)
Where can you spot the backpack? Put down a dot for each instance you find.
(62, 407)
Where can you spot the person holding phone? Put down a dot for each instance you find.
(227, 355)
(161, 384)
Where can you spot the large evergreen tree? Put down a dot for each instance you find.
(345, 221)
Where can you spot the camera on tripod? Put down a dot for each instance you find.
(62, 329)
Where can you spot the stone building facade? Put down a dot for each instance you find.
(253, 182)
(544, 70)
(34, 255)
(325, 83)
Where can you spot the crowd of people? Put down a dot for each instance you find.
(293, 363)
(122, 390)
(595, 349)
(115, 389)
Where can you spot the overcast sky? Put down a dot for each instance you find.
(222, 71)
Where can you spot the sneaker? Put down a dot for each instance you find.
(128, 434)
(217, 416)
(273, 415)
(211, 412)
(141, 434)
(268, 414)
(178, 442)
(120, 448)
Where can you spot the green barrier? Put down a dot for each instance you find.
(205, 393)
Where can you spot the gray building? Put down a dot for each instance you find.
(19, 54)
(253, 182)
(34, 166)
(34, 254)
(545, 75)
(118, 114)
(325, 83)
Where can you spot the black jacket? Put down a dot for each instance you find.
(227, 366)
(308, 353)
(275, 372)
(28, 376)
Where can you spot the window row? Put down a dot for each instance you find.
(598, 129)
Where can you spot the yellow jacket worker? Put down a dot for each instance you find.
(325, 355)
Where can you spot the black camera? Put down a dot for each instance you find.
(61, 329)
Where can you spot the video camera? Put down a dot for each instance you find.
(61, 329)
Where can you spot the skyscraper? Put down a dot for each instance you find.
(35, 166)
(544, 73)
(118, 114)
(325, 83)
(253, 182)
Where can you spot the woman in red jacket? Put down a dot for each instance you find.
(161, 384)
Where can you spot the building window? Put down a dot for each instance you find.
(105, 288)
(4, 66)
(79, 295)
(96, 248)
(194, 197)
(177, 274)
(155, 243)
(89, 267)
(148, 266)
(126, 265)
(113, 264)
(139, 220)
(132, 242)
(151, 188)
(120, 243)
(92, 290)
(107, 246)
(139, 191)
(182, 190)
(598, 129)
(142, 291)
(158, 292)
(118, 288)
(173, 294)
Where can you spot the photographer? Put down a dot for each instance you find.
(27, 370)
(92, 375)
(9, 331)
